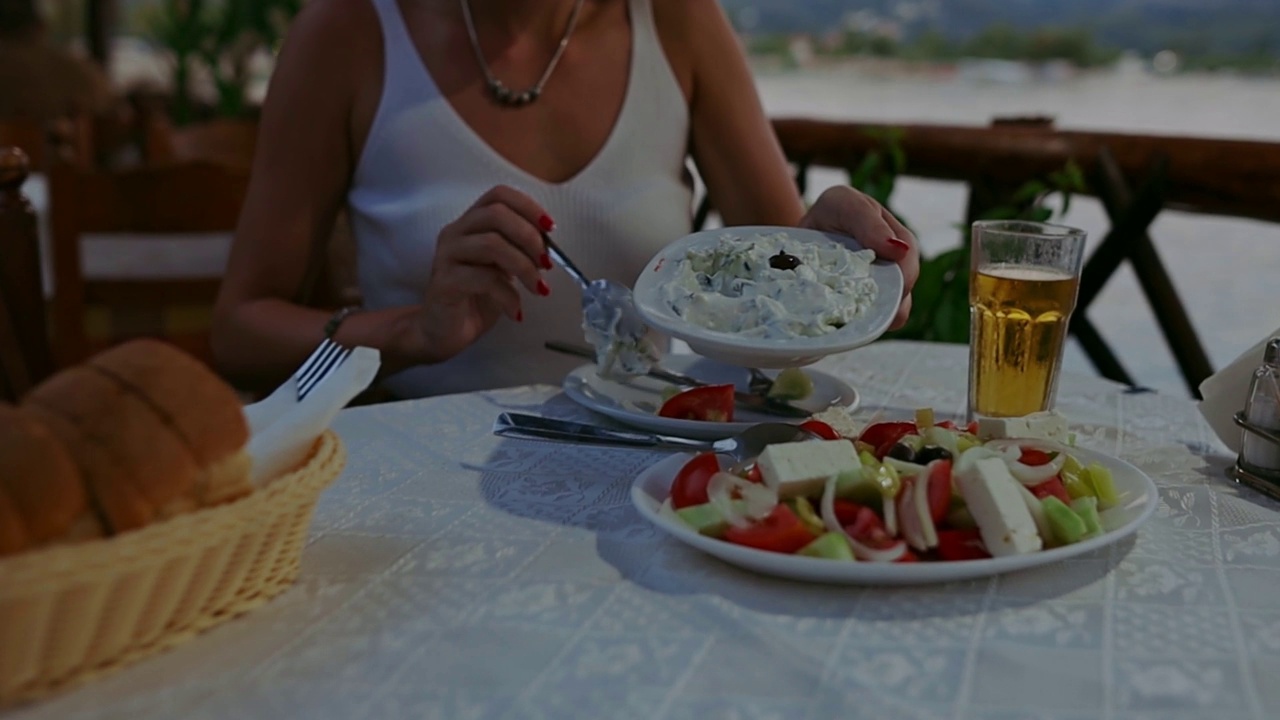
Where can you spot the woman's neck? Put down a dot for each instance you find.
(516, 18)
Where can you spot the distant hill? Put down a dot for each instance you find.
(1201, 26)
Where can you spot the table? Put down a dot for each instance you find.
(453, 574)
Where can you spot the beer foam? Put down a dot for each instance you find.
(1024, 272)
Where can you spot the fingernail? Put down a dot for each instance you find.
(543, 288)
(546, 261)
(519, 316)
(546, 223)
(900, 244)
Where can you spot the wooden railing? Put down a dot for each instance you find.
(1135, 177)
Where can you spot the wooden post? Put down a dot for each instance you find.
(1174, 322)
(100, 18)
(24, 345)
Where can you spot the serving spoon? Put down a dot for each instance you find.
(744, 446)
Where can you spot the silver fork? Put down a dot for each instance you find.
(326, 358)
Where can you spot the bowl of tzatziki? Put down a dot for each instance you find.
(771, 297)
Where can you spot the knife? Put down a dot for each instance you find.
(750, 401)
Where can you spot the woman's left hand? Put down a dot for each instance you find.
(843, 210)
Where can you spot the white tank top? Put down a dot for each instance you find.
(422, 166)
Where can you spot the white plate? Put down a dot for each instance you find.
(760, 352)
(653, 485)
(636, 401)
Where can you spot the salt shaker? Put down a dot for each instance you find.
(1261, 455)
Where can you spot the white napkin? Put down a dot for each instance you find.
(282, 430)
(1225, 393)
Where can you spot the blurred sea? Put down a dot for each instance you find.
(1225, 270)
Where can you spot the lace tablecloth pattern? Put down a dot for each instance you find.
(452, 574)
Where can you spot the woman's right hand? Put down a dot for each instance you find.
(480, 258)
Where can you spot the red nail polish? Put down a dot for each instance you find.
(546, 223)
(543, 288)
(546, 261)
(900, 244)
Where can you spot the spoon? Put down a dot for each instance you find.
(610, 320)
(744, 446)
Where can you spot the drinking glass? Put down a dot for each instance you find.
(1023, 280)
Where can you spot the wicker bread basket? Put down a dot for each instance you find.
(73, 612)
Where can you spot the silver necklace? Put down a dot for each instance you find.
(500, 92)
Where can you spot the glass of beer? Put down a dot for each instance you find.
(1023, 281)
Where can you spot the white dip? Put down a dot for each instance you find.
(732, 287)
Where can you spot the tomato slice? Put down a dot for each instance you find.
(883, 436)
(847, 511)
(939, 489)
(690, 485)
(821, 429)
(908, 557)
(709, 403)
(868, 529)
(961, 545)
(972, 428)
(1053, 486)
(1034, 457)
(781, 531)
(754, 475)
(948, 424)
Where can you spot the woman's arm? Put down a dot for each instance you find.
(733, 143)
(303, 164)
(322, 101)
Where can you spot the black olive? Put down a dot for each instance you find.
(929, 453)
(783, 261)
(903, 452)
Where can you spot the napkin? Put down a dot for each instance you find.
(1225, 393)
(283, 430)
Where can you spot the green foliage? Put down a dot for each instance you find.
(940, 299)
(219, 37)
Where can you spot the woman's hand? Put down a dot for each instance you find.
(480, 258)
(843, 210)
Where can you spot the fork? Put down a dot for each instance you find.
(604, 302)
(326, 358)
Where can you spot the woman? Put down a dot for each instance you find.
(454, 131)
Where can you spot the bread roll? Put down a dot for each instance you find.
(136, 467)
(42, 496)
(199, 406)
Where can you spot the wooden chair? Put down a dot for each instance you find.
(226, 141)
(66, 141)
(25, 358)
(90, 313)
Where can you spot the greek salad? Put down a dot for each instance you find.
(907, 491)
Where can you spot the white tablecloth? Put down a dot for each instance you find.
(452, 574)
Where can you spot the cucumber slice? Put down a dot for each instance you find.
(858, 486)
(705, 519)
(1067, 526)
(831, 546)
(1087, 509)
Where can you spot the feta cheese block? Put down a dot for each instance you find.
(1048, 425)
(802, 468)
(996, 504)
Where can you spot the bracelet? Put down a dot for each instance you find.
(331, 327)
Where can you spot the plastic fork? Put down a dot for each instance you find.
(326, 358)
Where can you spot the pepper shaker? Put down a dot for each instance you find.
(1260, 455)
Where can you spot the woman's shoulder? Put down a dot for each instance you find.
(353, 23)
